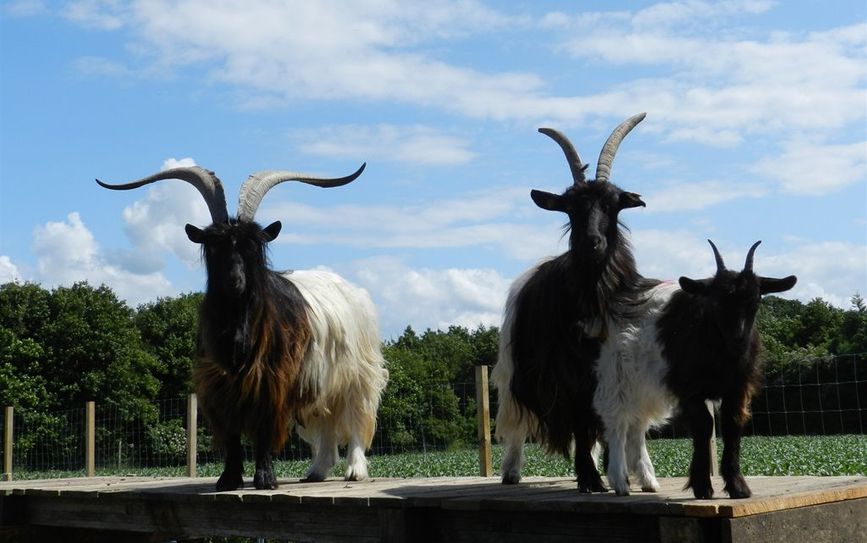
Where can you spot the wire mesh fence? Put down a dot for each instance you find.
(824, 397)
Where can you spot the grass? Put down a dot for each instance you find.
(790, 455)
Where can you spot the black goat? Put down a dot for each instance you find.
(557, 316)
(278, 349)
(688, 344)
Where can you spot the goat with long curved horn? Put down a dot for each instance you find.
(748, 265)
(720, 265)
(259, 183)
(205, 181)
(572, 157)
(606, 156)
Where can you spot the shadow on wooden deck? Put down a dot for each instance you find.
(540, 510)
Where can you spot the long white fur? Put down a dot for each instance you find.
(344, 365)
(631, 396)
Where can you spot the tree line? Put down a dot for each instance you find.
(64, 346)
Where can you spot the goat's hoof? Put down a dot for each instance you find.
(229, 482)
(511, 478)
(313, 477)
(264, 480)
(738, 488)
(622, 492)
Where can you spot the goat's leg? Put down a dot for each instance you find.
(639, 460)
(512, 430)
(232, 477)
(733, 416)
(586, 471)
(324, 451)
(701, 424)
(618, 474)
(356, 462)
(264, 478)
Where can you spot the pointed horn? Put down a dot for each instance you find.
(748, 265)
(571, 154)
(205, 181)
(259, 183)
(606, 156)
(720, 265)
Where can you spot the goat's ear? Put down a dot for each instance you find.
(272, 231)
(547, 200)
(196, 235)
(768, 285)
(698, 287)
(630, 199)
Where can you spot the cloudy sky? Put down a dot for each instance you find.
(755, 129)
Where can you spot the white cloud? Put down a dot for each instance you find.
(420, 145)
(815, 168)
(832, 270)
(8, 271)
(24, 8)
(431, 298)
(713, 85)
(66, 252)
(491, 218)
(699, 195)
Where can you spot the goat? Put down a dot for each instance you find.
(277, 349)
(690, 344)
(556, 317)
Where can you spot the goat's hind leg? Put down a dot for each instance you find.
(232, 477)
(639, 460)
(512, 430)
(320, 435)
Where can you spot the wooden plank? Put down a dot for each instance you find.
(483, 421)
(90, 439)
(192, 434)
(8, 421)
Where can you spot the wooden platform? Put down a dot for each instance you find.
(539, 510)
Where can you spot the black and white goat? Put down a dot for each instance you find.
(687, 344)
(277, 349)
(557, 315)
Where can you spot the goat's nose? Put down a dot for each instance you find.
(597, 243)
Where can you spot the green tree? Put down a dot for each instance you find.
(168, 328)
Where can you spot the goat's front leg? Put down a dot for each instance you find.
(618, 472)
(639, 459)
(232, 477)
(701, 424)
(733, 414)
(586, 471)
(264, 478)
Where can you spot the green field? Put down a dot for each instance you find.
(791, 455)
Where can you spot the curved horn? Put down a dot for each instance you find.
(720, 265)
(259, 183)
(748, 265)
(606, 156)
(204, 180)
(571, 154)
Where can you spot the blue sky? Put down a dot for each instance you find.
(755, 129)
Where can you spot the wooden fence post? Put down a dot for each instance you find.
(90, 439)
(192, 445)
(714, 465)
(483, 417)
(7, 443)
